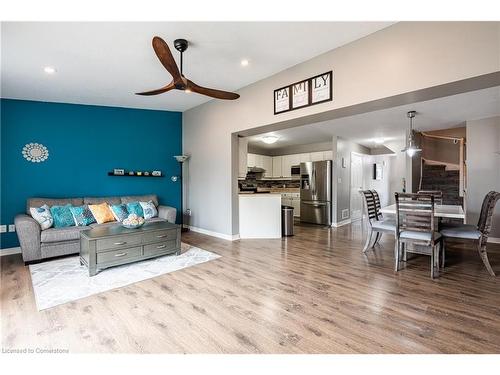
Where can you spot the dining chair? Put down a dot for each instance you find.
(477, 233)
(437, 194)
(376, 222)
(415, 226)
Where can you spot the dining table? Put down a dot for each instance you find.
(450, 211)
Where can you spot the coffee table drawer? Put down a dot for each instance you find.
(117, 242)
(119, 255)
(161, 247)
(161, 235)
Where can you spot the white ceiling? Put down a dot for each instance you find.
(391, 124)
(106, 63)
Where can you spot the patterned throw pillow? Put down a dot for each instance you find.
(82, 215)
(102, 212)
(120, 211)
(149, 209)
(43, 216)
(62, 216)
(135, 208)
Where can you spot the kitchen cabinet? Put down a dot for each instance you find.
(267, 164)
(251, 159)
(288, 162)
(304, 158)
(328, 155)
(242, 157)
(317, 156)
(277, 166)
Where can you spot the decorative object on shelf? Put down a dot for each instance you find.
(156, 173)
(138, 173)
(131, 173)
(119, 172)
(146, 173)
(35, 152)
(411, 146)
(377, 171)
(133, 221)
(181, 159)
(314, 90)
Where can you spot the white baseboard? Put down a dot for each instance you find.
(341, 223)
(10, 251)
(227, 237)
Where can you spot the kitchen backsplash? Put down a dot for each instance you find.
(272, 183)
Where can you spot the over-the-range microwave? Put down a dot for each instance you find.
(295, 172)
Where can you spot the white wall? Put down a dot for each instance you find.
(483, 167)
(402, 58)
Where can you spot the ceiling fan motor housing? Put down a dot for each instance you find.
(181, 45)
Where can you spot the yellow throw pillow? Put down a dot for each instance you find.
(102, 213)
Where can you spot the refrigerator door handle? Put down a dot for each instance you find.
(315, 204)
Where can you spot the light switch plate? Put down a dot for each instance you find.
(12, 227)
(3, 228)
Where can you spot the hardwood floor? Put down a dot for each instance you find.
(312, 293)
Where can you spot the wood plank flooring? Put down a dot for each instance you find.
(312, 293)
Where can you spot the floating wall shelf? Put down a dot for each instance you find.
(132, 175)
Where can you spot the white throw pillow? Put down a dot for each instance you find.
(43, 216)
(149, 209)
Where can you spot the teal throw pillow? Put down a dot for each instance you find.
(135, 208)
(120, 211)
(82, 215)
(62, 216)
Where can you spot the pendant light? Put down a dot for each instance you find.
(411, 147)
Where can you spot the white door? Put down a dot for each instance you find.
(356, 186)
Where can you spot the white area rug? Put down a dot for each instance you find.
(65, 280)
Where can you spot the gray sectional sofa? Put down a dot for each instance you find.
(37, 244)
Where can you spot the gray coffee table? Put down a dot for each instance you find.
(113, 245)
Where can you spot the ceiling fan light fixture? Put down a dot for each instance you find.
(244, 62)
(270, 139)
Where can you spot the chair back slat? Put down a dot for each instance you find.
(485, 217)
(415, 212)
(437, 194)
(370, 205)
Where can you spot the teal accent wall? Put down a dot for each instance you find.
(84, 143)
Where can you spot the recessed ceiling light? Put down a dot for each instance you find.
(244, 62)
(49, 70)
(270, 139)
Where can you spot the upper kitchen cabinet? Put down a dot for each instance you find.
(251, 160)
(304, 158)
(242, 157)
(267, 164)
(328, 155)
(288, 162)
(277, 162)
(317, 156)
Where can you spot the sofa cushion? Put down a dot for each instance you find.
(62, 216)
(82, 215)
(119, 211)
(140, 198)
(38, 202)
(99, 200)
(149, 209)
(102, 212)
(43, 216)
(61, 234)
(135, 208)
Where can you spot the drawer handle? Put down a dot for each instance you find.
(161, 246)
(161, 236)
(120, 254)
(119, 243)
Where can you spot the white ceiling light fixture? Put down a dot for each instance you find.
(411, 147)
(244, 62)
(49, 70)
(379, 141)
(270, 139)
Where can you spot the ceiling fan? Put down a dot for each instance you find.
(179, 82)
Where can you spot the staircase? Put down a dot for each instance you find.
(437, 177)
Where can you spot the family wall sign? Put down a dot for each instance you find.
(314, 90)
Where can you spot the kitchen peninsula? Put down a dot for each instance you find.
(260, 215)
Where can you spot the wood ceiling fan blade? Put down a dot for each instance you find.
(166, 88)
(166, 58)
(218, 94)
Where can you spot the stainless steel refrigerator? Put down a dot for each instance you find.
(316, 192)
